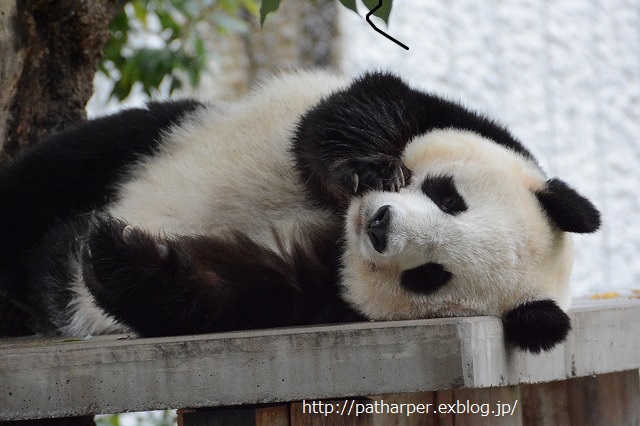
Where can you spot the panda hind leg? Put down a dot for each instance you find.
(161, 286)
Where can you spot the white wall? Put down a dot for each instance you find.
(563, 75)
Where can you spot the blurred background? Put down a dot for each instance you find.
(564, 76)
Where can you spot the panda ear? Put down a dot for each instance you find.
(536, 326)
(569, 210)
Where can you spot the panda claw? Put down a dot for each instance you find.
(127, 231)
(397, 183)
(403, 182)
(163, 250)
(356, 182)
(86, 251)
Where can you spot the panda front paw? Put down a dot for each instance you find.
(355, 177)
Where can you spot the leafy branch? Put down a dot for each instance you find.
(156, 42)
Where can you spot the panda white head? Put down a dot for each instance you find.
(478, 230)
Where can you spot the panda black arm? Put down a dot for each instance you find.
(353, 140)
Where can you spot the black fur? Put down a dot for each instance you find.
(353, 140)
(536, 326)
(569, 210)
(51, 267)
(188, 285)
(73, 172)
(425, 279)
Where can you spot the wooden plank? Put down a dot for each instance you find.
(545, 404)
(52, 378)
(277, 415)
(606, 399)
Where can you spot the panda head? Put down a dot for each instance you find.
(478, 230)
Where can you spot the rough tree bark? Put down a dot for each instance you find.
(50, 52)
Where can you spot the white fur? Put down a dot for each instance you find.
(86, 318)
(230, 168)
(502, 250)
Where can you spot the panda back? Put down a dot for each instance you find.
(230, 168)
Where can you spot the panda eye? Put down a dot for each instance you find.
(442, 191)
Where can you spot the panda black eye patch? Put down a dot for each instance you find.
(442, 191)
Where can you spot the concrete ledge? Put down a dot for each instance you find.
(55, 378)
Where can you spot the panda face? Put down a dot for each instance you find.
(466, 236)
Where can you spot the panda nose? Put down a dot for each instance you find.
(378, 228)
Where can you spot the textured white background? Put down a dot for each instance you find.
(563, 75)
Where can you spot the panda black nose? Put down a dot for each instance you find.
(378, 228)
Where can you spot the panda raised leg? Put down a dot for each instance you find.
(161, 286)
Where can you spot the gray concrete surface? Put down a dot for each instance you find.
(52, 378)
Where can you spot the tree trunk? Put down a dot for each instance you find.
(50, 51)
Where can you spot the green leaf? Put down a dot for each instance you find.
(121, 90)
(251, 6)
(140, 11)
(167, 22)
(266, 7)
(230, 7)
(200, 49)
(112, 50)
(183, 57)
(383, 12)
(119, 23)
(349, 4)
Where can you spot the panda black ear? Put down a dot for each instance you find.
(569, 210)
(536, 326)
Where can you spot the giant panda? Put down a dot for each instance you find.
(314, 199)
